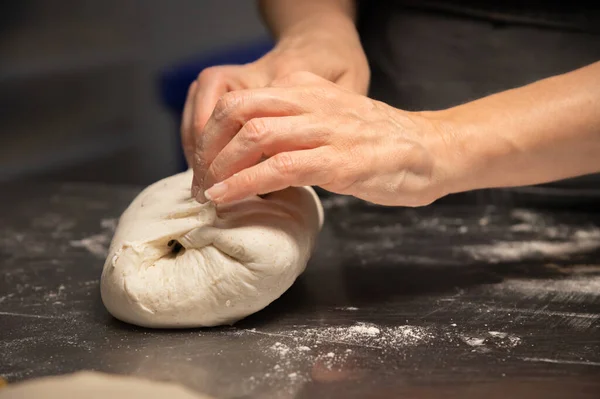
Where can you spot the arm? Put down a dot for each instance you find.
(312, 134)
(284, 16)
(545, 131)
(318, 36)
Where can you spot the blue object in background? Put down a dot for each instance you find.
(175, 81)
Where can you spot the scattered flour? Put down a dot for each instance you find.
(572, 289)
(109, 224)
(96, 244)
(365, 329)
(365, 335)
(338, 201)
(294, 354)
(280, 349)
(507, 251)
(472, 341)
(551, 240)
(348, 308)
(493, 339)
(360, 335)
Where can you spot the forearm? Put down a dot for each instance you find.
(284, 17)
(546, 131)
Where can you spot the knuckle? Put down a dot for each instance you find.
(302, 76)
(209, 74)
(295, 77)
(254, 131)
(197, 125)
(325, 93)
(245, 181)
(226, 105)
(284, 164)
(213, 173)
(198, 160)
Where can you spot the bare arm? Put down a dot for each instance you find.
(545, 131)
(318, 36)
(283, 16)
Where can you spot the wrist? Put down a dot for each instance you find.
(325, 46)
(460, 159)
(331, 23)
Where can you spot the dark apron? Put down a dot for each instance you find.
(433, 55)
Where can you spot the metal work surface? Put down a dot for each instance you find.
(447, 301)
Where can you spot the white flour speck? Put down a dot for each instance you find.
(280, 349)
(365, 329)
(96, 244)
(506, 251)
(472, 341)
(348, 308)
(109, 224)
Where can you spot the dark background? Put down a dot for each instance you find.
(80, 83)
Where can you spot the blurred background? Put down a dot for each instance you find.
(92, 90)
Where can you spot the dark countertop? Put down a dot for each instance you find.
(455, 300)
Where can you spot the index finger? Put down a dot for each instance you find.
(287, 169)
(233, 111)
(210, 86)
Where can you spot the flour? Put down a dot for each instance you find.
(358, 335)
(338, 201)
(528, 217)
(493, 339)
(366, 330)
(514, 251)
(109, 224)
(295, 355)
(573, 289)
(281, 349)
(577, 242)
(552, 240)
(96, 244)
(347, 308)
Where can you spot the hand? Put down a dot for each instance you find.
(310, 131)
(334, 54)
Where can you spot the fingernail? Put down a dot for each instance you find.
(216, 191)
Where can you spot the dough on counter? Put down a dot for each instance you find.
(93, 385)
(176, 263)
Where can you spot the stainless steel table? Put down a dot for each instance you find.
(455, 300)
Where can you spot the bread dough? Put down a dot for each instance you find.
(176, 263)
(93, 385)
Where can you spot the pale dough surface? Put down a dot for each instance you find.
(233, 261)
(93, 385)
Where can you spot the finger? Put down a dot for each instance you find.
(234, 110)
(286, 169)
(211, 84)
(263, 138)
(187, 137)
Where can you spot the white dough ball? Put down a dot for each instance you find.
(176, 263)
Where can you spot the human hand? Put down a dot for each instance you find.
(333, 53)
(314, 132)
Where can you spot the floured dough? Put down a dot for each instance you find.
(174, 262)
(93, 385)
